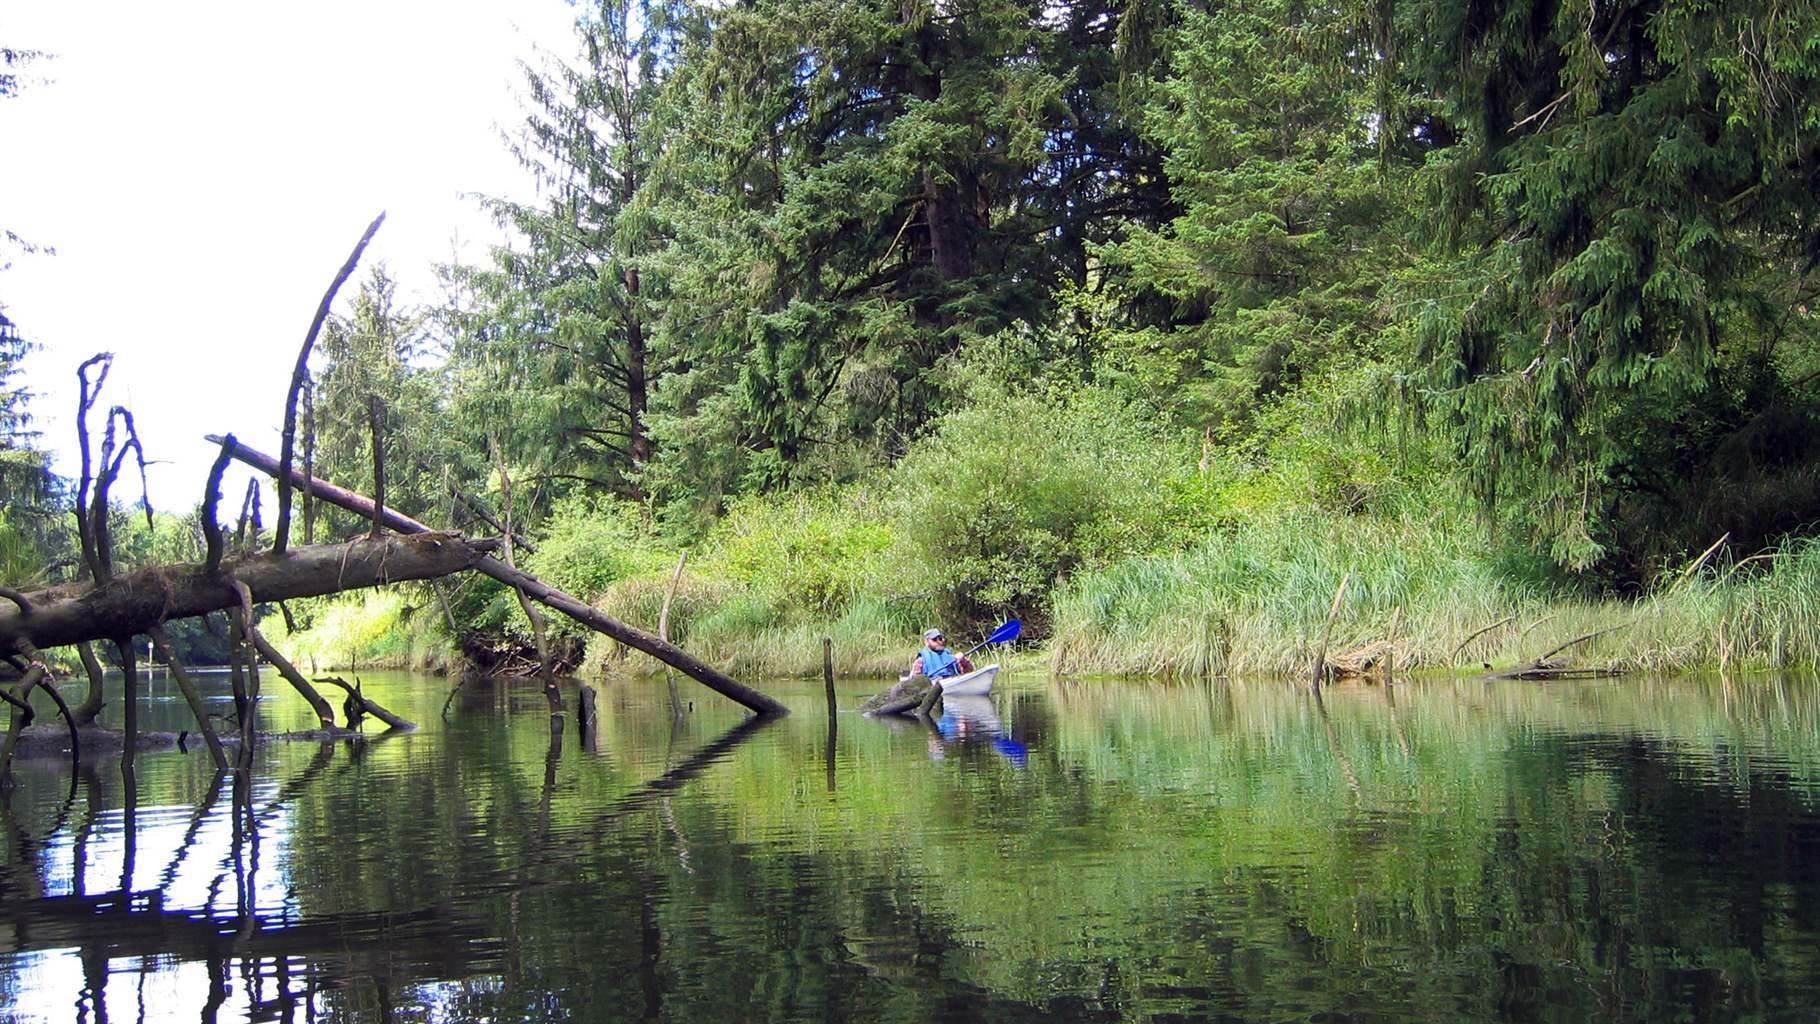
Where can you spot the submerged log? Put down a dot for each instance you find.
(906, 696)
(1545, 667)
(135, 603)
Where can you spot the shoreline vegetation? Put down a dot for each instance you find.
(1250, 601)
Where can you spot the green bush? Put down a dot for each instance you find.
(1011, 493)
(383, 628)
(810, 553)
(588, 544)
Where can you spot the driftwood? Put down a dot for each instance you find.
(1545, 667)
(1372, 661)
(1477, 633)
(536, 589)
(1320, 658)
(1375, 660)
(909, 695)
(358, 705)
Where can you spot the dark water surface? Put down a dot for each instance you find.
(1614, 851)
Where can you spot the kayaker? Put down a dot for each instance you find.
(935, 660)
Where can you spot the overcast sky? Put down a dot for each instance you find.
(202, 169)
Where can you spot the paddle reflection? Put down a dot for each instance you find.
(975, 721)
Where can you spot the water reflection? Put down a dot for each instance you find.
(1630, 850)
(975, 720)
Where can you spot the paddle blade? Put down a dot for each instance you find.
(1005, 633)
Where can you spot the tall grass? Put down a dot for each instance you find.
(774, 579)
(370, 629)
(1256, 600)
(743, 631)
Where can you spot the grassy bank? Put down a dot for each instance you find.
(371, 629)
(1250, 602)
(1124, 556)
(1256, 602)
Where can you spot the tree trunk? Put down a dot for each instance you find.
(135, 603)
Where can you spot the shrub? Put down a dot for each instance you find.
(810, 553)
(1011, 493)
(589, 543)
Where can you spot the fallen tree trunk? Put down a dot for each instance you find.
(533, 587)
(128, 605)
(1546, 667)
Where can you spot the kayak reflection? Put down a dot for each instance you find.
(970, 720)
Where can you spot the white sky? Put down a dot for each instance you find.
(203, 167)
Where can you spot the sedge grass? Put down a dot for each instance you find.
(1254, 601)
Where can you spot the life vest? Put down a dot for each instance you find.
(937, 664)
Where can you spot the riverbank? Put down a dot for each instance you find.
(1251, 597)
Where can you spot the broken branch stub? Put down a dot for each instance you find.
(301, 370)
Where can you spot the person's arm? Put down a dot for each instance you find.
(964, 664)
(916, 665)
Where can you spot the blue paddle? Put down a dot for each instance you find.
(1004, 634)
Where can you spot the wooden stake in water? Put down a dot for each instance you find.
(1320, 658)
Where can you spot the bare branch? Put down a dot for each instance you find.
(190, 695)
(90, 394)
(26, 648)
(539, 628)
(376, 423)
(324, 712)
(286, 450)
(249, 514)
(365, 703)
(211, 497)
(542, 592)
(309, 462)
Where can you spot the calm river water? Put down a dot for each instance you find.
(1620, 850)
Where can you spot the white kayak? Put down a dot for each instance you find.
(976, 683)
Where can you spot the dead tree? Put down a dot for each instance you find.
(117, 607)
(535, 588)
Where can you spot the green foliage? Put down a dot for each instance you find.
(1272, 270)
(1254, 599)
(813, 551)
(588, 544)
(383, 628)
(32, 535)
(1631, 211)
(374, 363)
(887, 312)
(1011, 493)
(777, 575)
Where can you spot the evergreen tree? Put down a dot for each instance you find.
(1289, 224)
(31, 530)
(375, 363)
(559, 321)
(1630, 208)
(853, 191)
